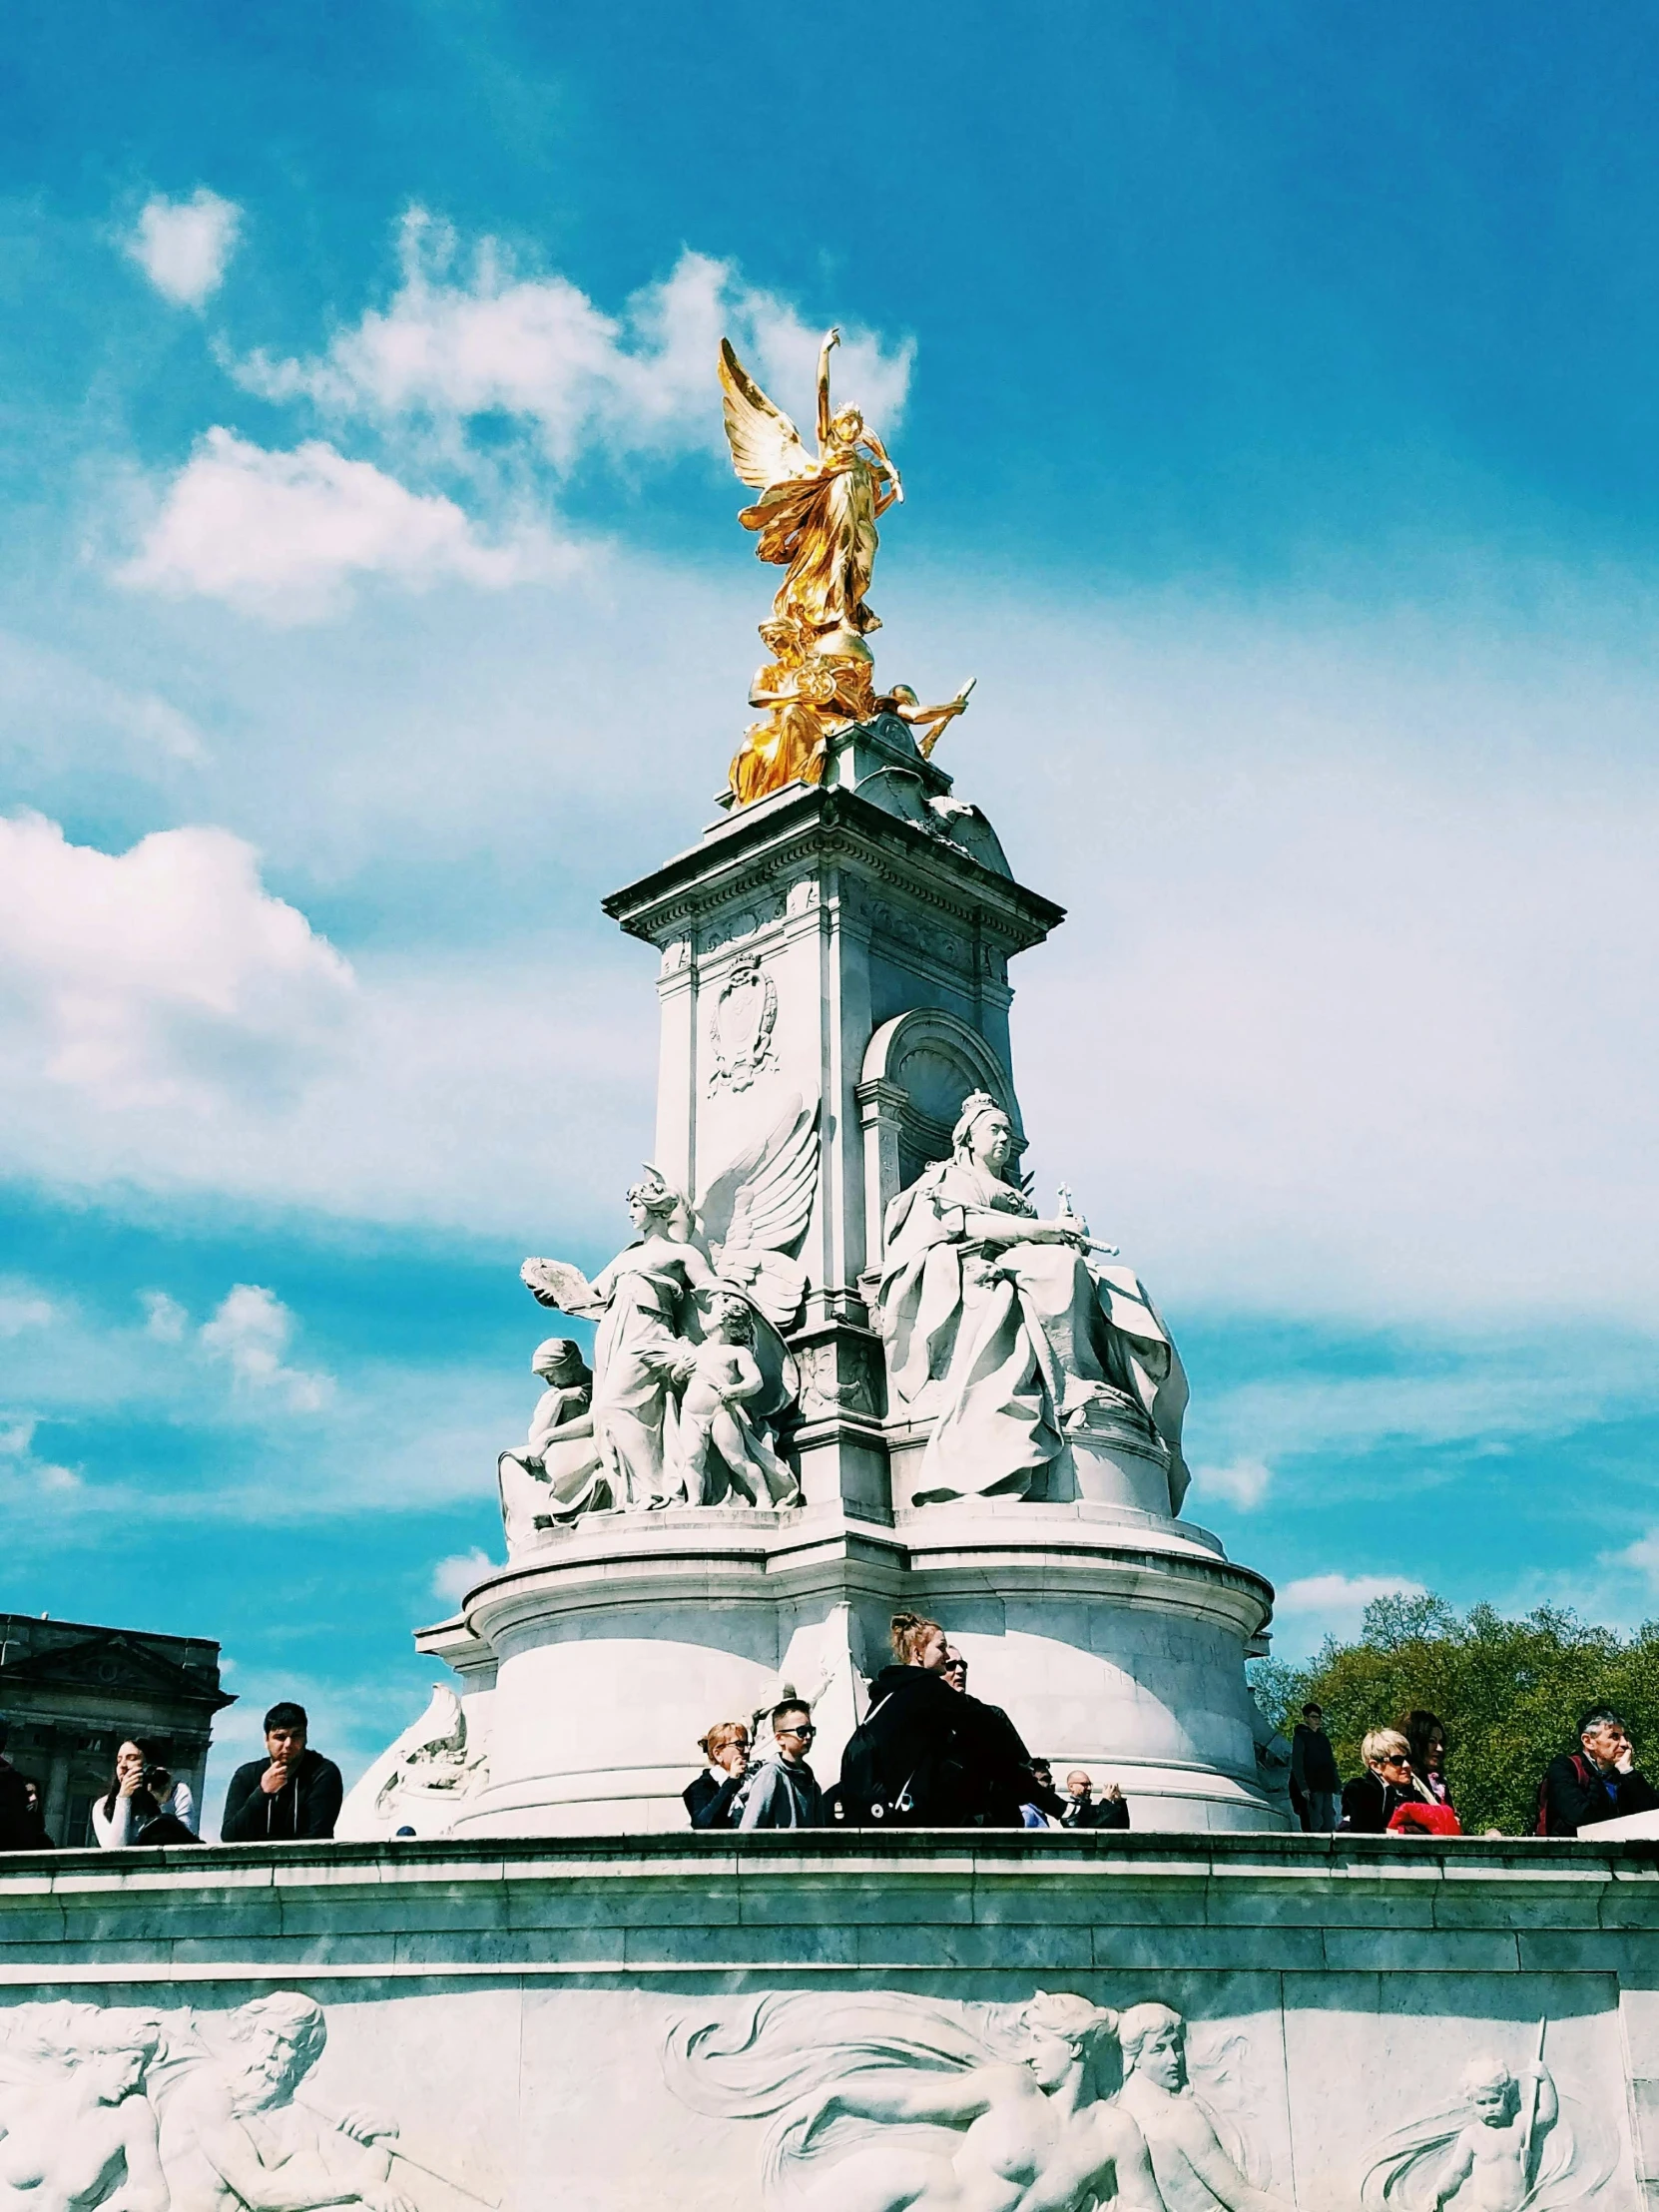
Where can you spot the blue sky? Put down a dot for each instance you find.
(1273, 391)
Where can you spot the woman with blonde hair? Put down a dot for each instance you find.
(1371, 1800)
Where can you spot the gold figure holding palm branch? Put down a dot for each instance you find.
(816, 519)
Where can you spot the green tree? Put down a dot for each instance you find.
(1510, 1694)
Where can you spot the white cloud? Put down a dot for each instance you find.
(164, 1318)
(1243, 1483)
(163, 976)
(251, 1329)
(182, 246)
(285, 535)
(1350, 1018)
(1494, 1390)
(453, 346)
(17, 1434)
(19, 1310)
(1641, 1557)
(44, 694)
(1320, 1606)
(453, 1577)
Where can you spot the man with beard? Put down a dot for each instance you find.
(232, 2135)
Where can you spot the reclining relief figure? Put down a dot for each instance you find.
(1014, 1333)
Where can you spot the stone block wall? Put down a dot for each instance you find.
(736, 2022)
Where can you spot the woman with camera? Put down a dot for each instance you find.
(145, 1804)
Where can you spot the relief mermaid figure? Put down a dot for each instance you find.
(1005, 1328)
(914, 2106)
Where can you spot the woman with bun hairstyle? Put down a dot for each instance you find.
(927, 1754)
(709, 1800)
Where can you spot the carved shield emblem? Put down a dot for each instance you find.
(741, 1025)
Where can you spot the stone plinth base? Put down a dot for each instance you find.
(1114, 1638)
(543, 2023)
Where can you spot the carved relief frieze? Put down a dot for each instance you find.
(1510, 2139)
(938, 941)
(899, 2103)
(102, 2105)
(742, 922)
(838, 1376)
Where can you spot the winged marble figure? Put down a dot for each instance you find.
(674, 1421)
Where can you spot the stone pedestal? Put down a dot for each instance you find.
(1117, 1638)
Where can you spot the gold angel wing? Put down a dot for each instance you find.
(766, 445)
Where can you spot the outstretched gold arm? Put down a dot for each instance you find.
(831, 338)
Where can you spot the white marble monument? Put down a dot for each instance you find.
(843, 1366)
(846, 1363)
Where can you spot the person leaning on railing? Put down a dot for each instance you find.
(143, 1804)
(710, 1798)
(21, 1826)
(929, 1756)
(292, 1794)
(1371, 1800)
(1598, 1782)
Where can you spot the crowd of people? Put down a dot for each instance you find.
(1404, 1790)
(928, 1754)
(292, 1793)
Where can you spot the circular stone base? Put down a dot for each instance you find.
(1114, 1638)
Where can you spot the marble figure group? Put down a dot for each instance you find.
(689, 1368)
(117, 2110)
(916, 2104)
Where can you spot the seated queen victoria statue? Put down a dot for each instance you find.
(1036, 1360)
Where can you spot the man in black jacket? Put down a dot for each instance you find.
(1086, 1810)
(292, 1794)
(21, 1825)
(1315, 1785)
(1600, 1781)
(1007, 1779)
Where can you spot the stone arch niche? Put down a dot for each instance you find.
(917, 1069)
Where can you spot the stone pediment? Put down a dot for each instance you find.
(114, 1664)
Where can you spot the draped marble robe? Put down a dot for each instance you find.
(1012, 1346)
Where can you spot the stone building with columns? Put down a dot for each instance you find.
(72, 1693)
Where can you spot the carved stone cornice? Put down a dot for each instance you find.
(816, 832)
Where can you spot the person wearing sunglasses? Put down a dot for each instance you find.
(782, 1790)
(1371, 1802)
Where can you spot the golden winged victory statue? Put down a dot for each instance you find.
(816, 519)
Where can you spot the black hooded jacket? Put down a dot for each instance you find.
(957, 1762)
(308, 1803)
